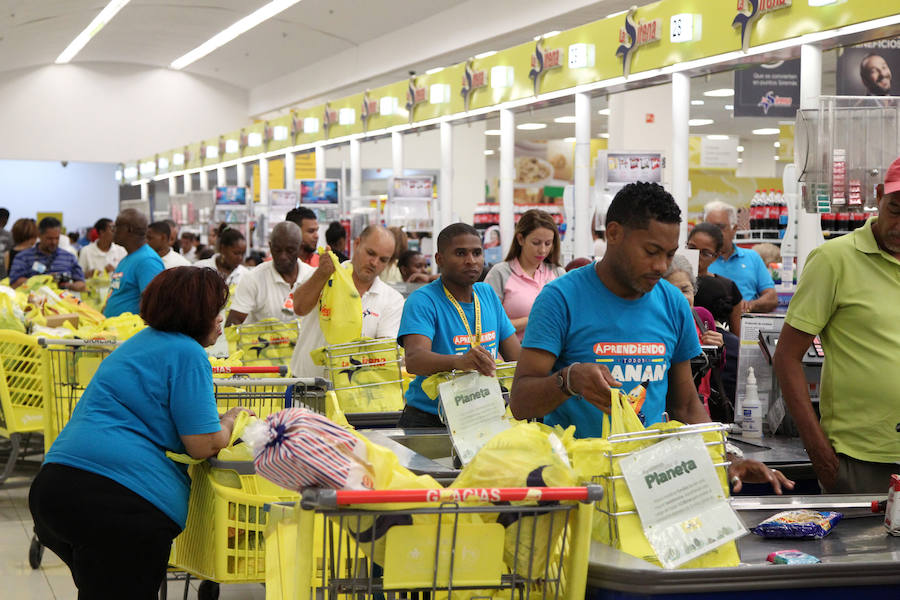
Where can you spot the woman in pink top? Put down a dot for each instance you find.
(532, 262)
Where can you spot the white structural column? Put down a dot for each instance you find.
(681, 108)
(355, 168)
(290, 170)
(582, 225)
(445, 187)
(809, 230)
(204, 180)
(320, 162)
(188, 182)
(173, 186)
(264, 181)
(145, 191)
(397, 154)
(241, 174)
(507, 175)
(220, 176)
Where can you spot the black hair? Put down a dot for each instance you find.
(334, 233)
(73, 236)
(48, 223)
(4, 214)
(229, 236)
(297, 215)
(160, 227)
(712, 231)
(102, 224)
(637, 203)
(407, 257)
(451, 231)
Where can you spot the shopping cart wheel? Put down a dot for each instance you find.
(35, 553)
(208, 590)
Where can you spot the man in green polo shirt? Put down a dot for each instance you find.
(849, 295)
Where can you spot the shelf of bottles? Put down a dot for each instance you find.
(768, 218)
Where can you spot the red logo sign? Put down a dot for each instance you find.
(649, 118)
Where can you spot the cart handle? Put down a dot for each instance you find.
(326, 498)
(279, 369)
(45, 342)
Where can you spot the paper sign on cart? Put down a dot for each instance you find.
(475, 412)
(679, 499)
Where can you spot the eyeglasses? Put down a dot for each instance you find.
(703, 253)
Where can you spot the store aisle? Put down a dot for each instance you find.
(53, 581)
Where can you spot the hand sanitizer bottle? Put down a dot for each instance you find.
(752, 409)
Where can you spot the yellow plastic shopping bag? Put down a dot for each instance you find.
(340, 306)
(365, 374)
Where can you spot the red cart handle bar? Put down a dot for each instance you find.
(333, 498)
(280, 370)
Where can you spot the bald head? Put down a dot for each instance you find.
(286, 232)
(372, 253)
(284, 245)
(130, 229)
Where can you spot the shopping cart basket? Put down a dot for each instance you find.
(525, 542)
(269, 342)
(23, 391)
(266, 396)
(367, 380)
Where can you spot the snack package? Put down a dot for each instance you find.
(892, 508)
(792, 557)
(798, 524)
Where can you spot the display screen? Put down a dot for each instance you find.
(231, 195)
(319, 191)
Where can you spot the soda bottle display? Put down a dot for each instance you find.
(827, 221)
(754, 211)
(843, 221)
(771, 211)
(859, 219)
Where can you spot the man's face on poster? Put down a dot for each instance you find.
(876, 75)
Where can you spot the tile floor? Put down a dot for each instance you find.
(53, 581)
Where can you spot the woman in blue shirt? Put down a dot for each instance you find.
(107, 500)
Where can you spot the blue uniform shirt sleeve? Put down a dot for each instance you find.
(419, 316)
(192, 402)
(548, 322)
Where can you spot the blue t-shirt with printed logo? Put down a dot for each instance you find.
(131, 276)
(429, 312)
(577, 319)
(747, 270)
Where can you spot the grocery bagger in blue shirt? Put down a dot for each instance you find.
(429, 312)
(128, 281)
(747, 270)
(577, 319)
(153, 389)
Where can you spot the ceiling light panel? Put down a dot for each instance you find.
(99, 22)
(566, 119)
(531, 126)
(700, 122)
(720, 93)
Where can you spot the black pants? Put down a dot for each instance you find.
(414, 418)
(115, 542)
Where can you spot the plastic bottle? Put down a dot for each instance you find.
(772, 213)
(782, 212)
(754, 211)
(752, 424)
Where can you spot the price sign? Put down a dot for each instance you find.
(681, 28)
(680, 500)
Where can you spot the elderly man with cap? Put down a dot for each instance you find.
(848, 296)
(266, 290)
(136, 270)
(382, 305)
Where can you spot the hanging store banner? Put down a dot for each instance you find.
(868, 69)
(542, 60)
(472, 81)
(771, 90)
(635, 34)
(750, 11)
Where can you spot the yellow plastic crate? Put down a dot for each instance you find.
(24, 380)
(223, 539)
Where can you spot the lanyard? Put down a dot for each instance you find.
(474, 340)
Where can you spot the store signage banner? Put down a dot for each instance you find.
(628, 167)
(768, 90)
(718, 154)
(868, 69)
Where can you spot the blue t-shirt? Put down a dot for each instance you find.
(154, 388)
(747, 270)
(428, 312)
(577, 319)
(130, 278)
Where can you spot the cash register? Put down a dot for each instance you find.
(813, 360)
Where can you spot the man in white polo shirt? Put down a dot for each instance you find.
(382, 305)
(265, 291)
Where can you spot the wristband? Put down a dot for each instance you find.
(569, 380)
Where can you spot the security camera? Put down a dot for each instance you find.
(64, 163)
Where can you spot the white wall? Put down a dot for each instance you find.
(628, 129)
(111, 112)
(83, 192)
(758, 157)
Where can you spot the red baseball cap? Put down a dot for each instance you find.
(892, 178)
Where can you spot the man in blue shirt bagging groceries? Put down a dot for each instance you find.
(136, 270)
(47, 258)
(614, 323)
(441, 319)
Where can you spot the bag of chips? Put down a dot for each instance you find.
(798, 524)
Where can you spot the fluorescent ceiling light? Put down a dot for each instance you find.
(776, 157)
(531, 126)
(729, 107)
(81, 40)
(564, 120)
(740, 148)
(546, 35)
(488, 152)
(616, 14)
(700, 122)
(720, 93)
(604, 112)
(486, 54)
(697, 103)
(491, 132)
(261, 14)
(434, 70)
(717, 136)
(604, 136)
(254, 139)
(740, 160)
(767, 131)
(569, 140)
(777, 144)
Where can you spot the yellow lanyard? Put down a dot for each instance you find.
(474, 340)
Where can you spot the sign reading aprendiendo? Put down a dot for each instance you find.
(680, 500)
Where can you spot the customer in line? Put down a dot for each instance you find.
(848, 296)
(47, 258)
(24, 235)
(306, 220)
(382, 305)
(718, 294)
(531, 263)
(173, 234)
(454, 323)
(614, 324)
(336, 238)
(414, 267)
(744, 267)
(158, 235)
(136, 270)
(401, 244)
(229, 260)
(107, 500)
(101, 255)
(266, 290)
